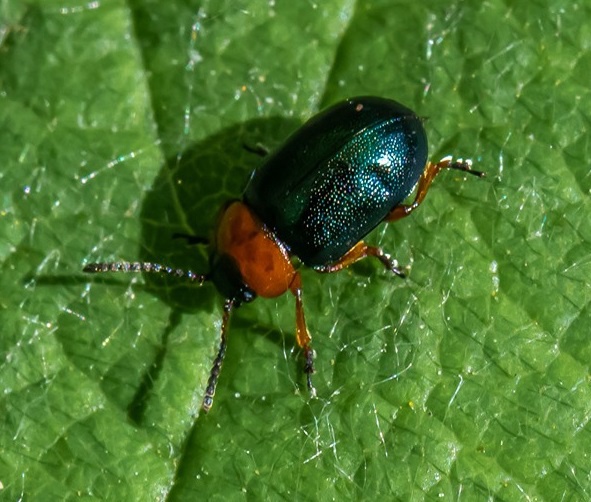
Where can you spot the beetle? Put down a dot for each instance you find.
(315, 198)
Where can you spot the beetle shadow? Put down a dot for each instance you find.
(185, 199)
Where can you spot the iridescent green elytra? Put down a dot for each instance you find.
(337, 177)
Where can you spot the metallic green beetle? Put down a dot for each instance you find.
(333, 181)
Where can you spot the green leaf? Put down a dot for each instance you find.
(122, 123)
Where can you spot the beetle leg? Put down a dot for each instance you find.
(431, 170)
(302, 334)
(219, 359)
(358, 252)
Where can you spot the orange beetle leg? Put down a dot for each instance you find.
(302, 334)
(431, 170)
(358, 252)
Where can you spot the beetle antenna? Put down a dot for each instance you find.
(217, 363)
(137, 266)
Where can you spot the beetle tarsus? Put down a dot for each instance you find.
(462, 165)
(386, 260)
